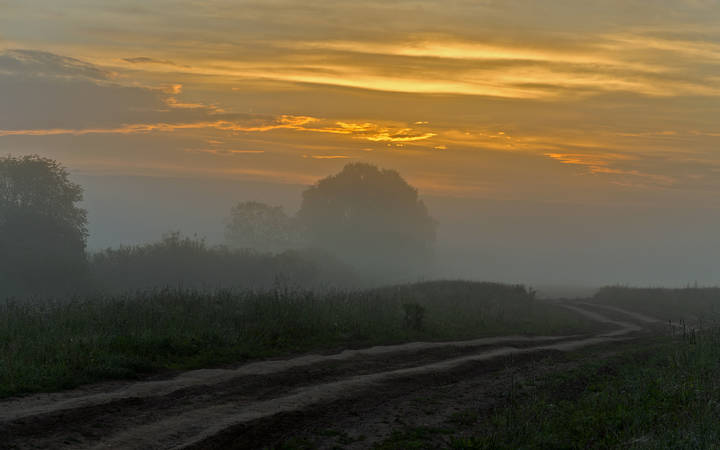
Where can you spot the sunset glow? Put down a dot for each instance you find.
(603, 93)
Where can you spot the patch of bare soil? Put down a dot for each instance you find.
(263, 403)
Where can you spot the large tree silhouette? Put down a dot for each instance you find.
(370, 217)
(43, 231)
(262, 227)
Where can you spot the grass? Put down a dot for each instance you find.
(48, 345)
(665, 395)
(417, 437)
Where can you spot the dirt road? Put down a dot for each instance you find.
(360, 392)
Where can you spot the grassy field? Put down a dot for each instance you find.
(661, 392)
(51, 345)
(664, 394)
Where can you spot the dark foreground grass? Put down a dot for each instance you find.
(666, 395)
(52, 345)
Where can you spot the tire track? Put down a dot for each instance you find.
(81, 398)
(195, 406)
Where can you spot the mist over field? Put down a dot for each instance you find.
(576, 150)
(547, 244)
(313, 224)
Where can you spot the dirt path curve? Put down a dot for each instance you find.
(193, 408)
(634, 315)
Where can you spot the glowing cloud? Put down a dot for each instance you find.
(367, 131)
(223, 152)
(615, 99)
(327, 156)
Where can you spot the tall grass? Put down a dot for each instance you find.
(53, 344)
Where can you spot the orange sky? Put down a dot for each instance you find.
(607, 101)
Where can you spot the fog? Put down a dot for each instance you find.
(546, 244)
(360, 224)
(577, 147)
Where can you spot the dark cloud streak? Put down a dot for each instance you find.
(147, 60)
(34, 63)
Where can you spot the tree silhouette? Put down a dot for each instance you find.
(262, 227)
(370, 217)
(43, 232)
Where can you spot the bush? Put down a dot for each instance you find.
(184, 262)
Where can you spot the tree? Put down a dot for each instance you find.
(262, 227)
(370, 217)
(43, 232)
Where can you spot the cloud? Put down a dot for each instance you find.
(77, 106)
(481, 81)
(257, 124)
(33, 63)
(327, 156)
(44, 93)
(225, 152)
(379, 133)
(173, 102)
(593, 161)
(548, 65)
(404, 135)
(143, 128)
(148, 60)
(445, 47)
(487, 48)
(559, 69)
(603, 164)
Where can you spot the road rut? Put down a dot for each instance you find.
(193, 408)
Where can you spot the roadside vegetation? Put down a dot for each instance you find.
(663, 394)
(47, 345)
(659, 392)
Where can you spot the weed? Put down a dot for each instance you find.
(414, 316)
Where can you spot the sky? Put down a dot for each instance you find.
(562, 141)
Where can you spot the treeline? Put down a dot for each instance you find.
(180, 262)
(364, 225)
(184, 262)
